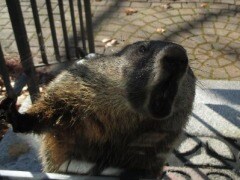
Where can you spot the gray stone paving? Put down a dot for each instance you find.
(210, 35)
(209, 31)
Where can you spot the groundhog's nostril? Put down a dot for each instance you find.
(175, 58)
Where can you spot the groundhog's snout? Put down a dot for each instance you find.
(174, 59)
(174, 64)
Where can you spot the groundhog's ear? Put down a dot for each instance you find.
(162, 99)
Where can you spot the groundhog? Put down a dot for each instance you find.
(124, 111)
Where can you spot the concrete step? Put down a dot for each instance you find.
(13, 175)
(218, 92)
(216, 109)
(177, 173)
(212, 135)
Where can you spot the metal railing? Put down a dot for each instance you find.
(20, 33)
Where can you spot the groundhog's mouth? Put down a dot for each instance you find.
(162, 99)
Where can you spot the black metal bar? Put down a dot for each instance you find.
(20, 82)
(82, 26)
(5, 75)
(39, 31)
(89, 28)
(64, 28)
(20, 33)
(74, 29)
(53, 30)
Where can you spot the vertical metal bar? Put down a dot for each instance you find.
(39, 31)
(89, 28)
(82, 26)
(53, 30)
(5, 75)
(20, 33)
(64, 28)
(74, 28)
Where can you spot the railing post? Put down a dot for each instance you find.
(20, 33)
(5, 75)
(74, 29)
(64, 28)
(53, 30)
(89, 28)
(82, 25)
(39, 31)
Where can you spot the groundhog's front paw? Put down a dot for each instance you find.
(7, 107)
(9, 113)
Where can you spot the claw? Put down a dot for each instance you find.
(7, 102)
(8, 110)
(9, 115)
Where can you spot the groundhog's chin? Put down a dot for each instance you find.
(162, 101)
(160, 109)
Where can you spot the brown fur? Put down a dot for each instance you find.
(85, 114)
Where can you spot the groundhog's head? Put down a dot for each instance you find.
(150, 72)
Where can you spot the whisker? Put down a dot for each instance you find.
(194, 63)
(145, 34)
(122, 39)
(200, 84)
(200, 70)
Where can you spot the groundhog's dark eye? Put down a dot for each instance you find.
(143, 49)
